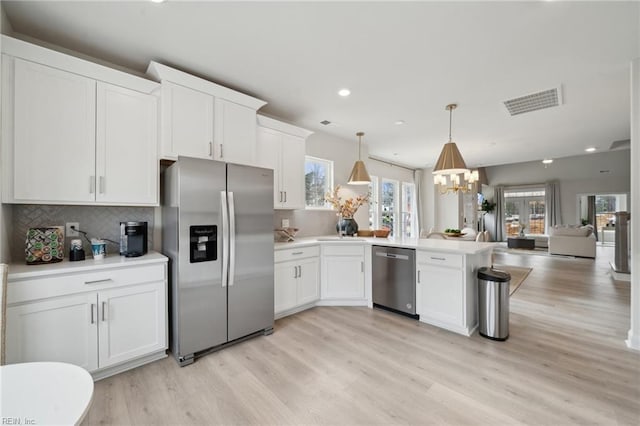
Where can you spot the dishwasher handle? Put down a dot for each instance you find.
(392, 255)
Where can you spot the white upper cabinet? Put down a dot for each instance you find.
(203, 119)
(70, 136)
(187, 122)
(281, 147)
(126, 143)
(235, 133)
(53, 129)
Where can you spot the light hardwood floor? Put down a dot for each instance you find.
(564, 363)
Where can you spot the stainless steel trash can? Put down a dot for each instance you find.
(493, 300)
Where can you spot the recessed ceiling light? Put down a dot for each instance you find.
(344, 92)
(547, 161)
(590, 149)
(398, 122)
(157, 1)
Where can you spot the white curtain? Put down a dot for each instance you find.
(417, 180)
(552, 205)
(499, 213)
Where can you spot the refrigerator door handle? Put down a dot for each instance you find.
(225, 238)
(232, 239)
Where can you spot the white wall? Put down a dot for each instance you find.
(576, 175)
(634, 332)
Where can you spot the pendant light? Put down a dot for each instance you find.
(451, 163)
(359, 175)
(450, 160)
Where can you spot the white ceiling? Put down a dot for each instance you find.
(402, 61)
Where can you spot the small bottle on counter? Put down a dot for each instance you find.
(76, 252)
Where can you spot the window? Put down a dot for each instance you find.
(606, 205)
(389, 198)
(524, 207)
(393, 205)
(318, 180)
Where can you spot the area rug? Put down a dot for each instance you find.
(502, 248)
(518, 275)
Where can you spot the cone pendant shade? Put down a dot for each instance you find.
(450, 160)
(359, 174)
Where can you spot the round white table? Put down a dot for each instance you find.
(39, 393)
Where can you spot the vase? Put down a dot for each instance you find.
(347, 226)
(521, 235)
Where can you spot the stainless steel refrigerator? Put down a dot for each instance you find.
(218, 234)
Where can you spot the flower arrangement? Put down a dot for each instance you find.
(346, 208)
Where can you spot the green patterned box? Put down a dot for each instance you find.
(44, 245)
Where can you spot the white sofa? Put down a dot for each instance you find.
(572, 241)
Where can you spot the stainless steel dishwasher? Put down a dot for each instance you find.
(394, 279)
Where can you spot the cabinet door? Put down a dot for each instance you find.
(285, 294)
(308, 281)
(62, 329)
(343, 277)
(53, 139)
(439, 294)
(268, 155)
(236, 133)
(187, 121)
(132, 322)
(126, 145)
(292, 171)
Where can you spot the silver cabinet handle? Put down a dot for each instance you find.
(104, 311)
(92, 184)
(438, 258)
(295, 272)
(102, 182)
(299, 271)
(285, 196)
(221, 152)
(93, 321)
(295, 253)
(280, 196)
(225, 236)
(361, 266)
(418, 276)
(98, 281)
(210, 149)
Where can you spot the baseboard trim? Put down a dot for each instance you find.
(116, 369)
(633, 341)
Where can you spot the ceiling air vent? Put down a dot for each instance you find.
(623, 144)
(535, 101)
(325, 122)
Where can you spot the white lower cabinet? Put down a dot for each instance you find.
(440, 290)
(297, 283)
(132, 322)
(343, 273)
(63, 329)
(98, 320)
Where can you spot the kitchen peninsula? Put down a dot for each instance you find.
(329, 271)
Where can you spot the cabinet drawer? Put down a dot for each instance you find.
(343, 250)
(58, 285)
(297, 253)
(441, 259)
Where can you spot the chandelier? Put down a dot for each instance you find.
(450, 166)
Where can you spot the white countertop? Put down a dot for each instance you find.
(449, 246)
(52, 393)
(19, 271)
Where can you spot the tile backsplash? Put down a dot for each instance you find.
(98, 221)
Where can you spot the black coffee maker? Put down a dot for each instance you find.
(133, 239)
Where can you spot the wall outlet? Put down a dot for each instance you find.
(70, 232)
(285, 223)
